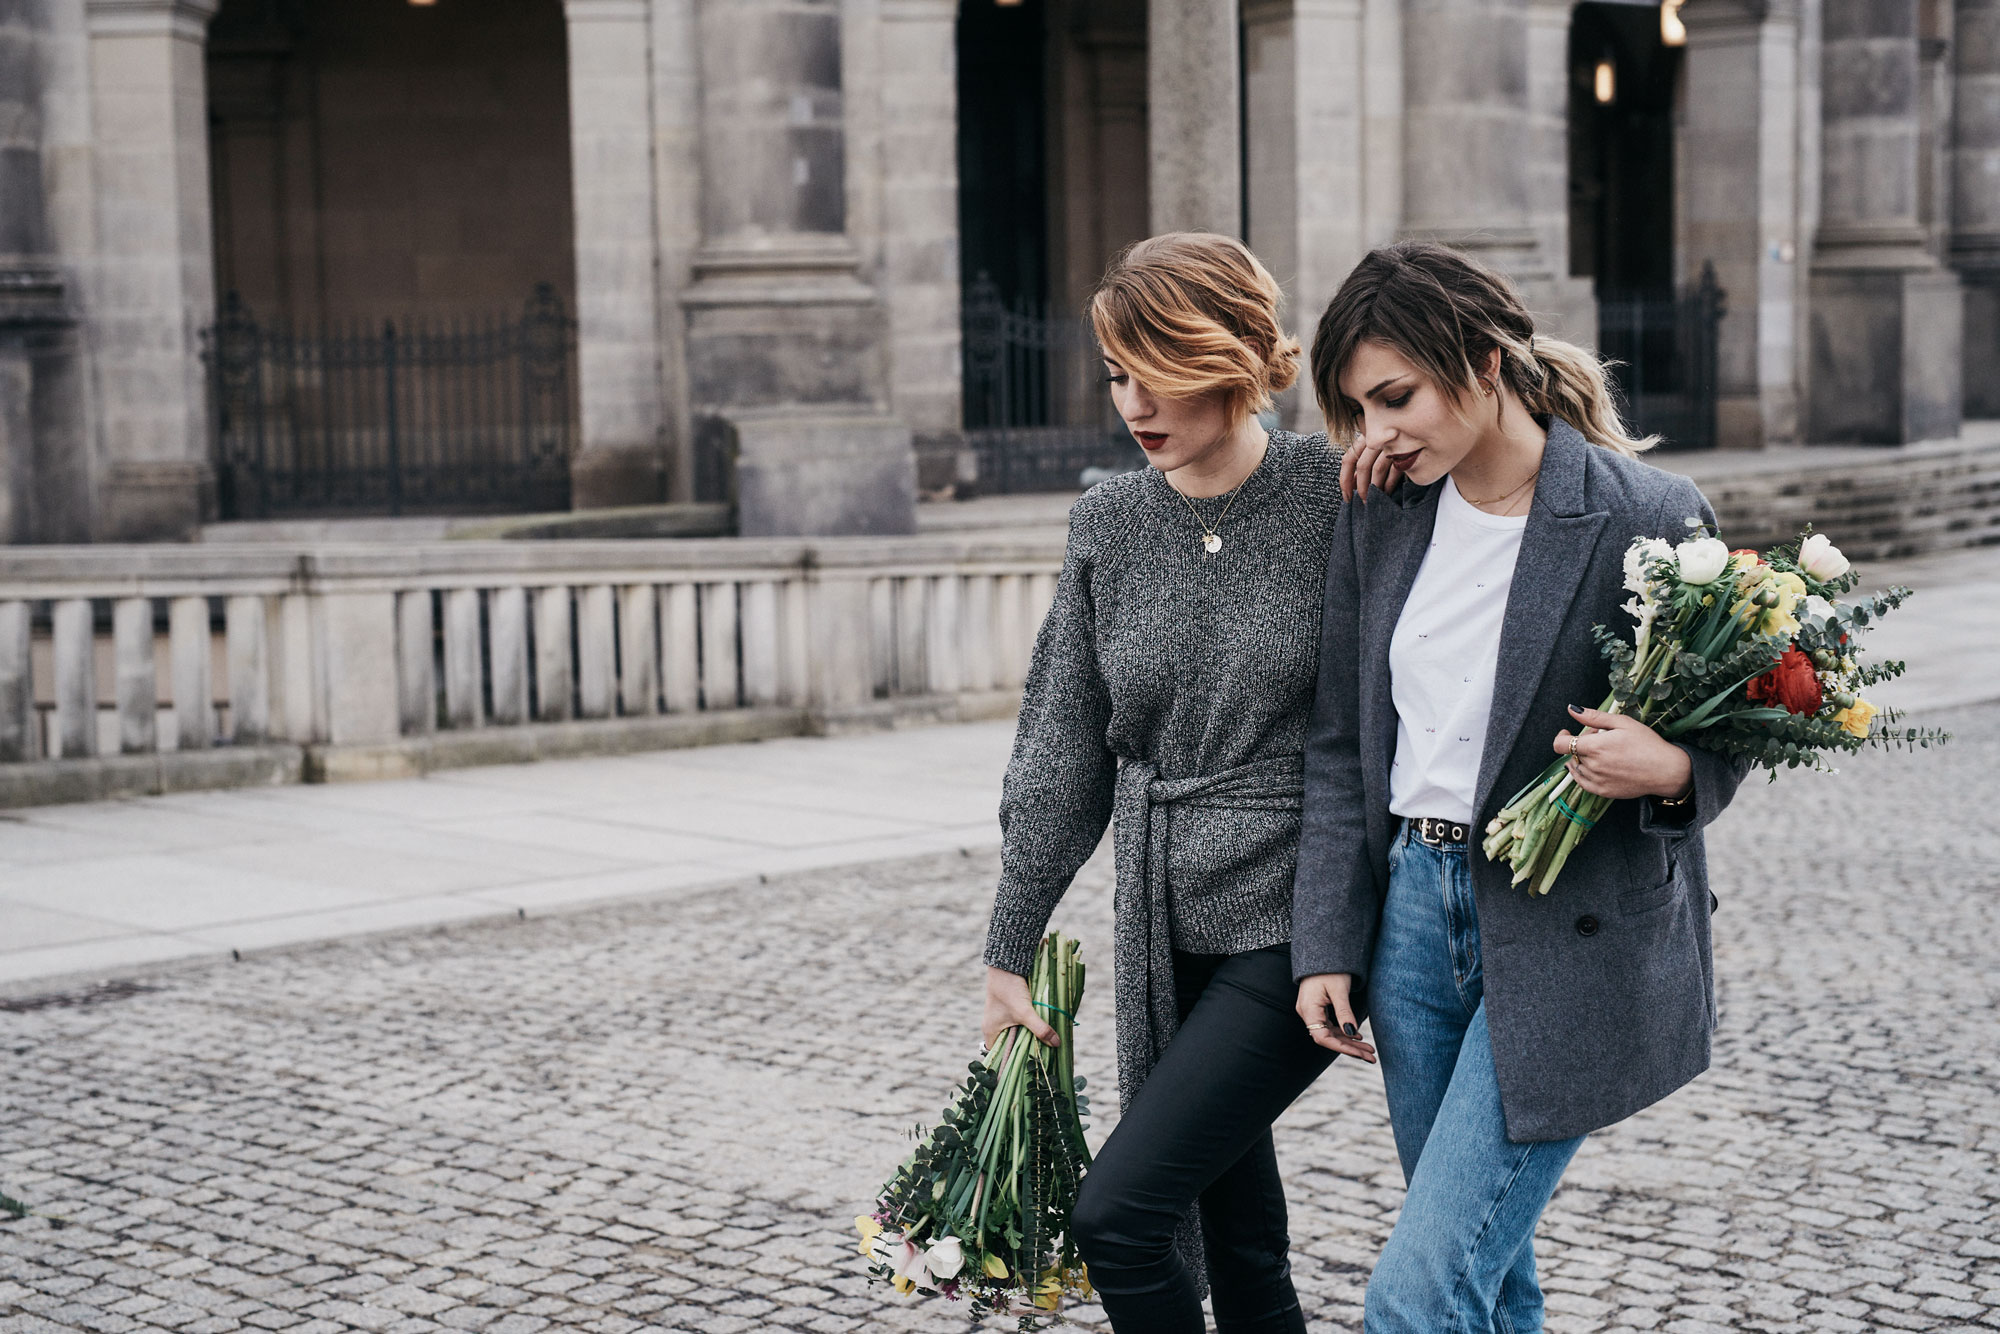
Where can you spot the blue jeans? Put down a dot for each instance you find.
(1462, 1256)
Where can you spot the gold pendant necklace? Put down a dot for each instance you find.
(1211, 540)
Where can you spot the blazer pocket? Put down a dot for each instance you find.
(1633, 902)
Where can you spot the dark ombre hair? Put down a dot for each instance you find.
(1446, 314)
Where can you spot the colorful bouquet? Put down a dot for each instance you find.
(1738, 652)
(980, 1210)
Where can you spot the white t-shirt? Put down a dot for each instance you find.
(1443, 656)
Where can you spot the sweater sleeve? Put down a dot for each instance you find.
(1334, 900)
(1056, 800)
(1716, 776)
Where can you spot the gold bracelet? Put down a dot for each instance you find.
(1675, 803)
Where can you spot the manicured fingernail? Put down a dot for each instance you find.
(1574, 709)
(1350, 1030)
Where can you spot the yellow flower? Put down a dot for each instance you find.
(1857, 718)
(995, 1266)
(1048, 1292)
(869, 1230)
(902, 1285)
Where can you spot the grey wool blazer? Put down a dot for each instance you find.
(1601, 996)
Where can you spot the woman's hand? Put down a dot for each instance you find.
(1619, 757)
(1362, 466)
(1326, 1010)
(1008, 1005)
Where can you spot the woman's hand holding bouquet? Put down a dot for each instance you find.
(1738, 652)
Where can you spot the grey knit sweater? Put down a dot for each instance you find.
(1157, 654)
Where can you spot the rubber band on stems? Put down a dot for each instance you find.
(1574, 818)
(1058, 1009)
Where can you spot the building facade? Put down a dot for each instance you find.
(762, 216)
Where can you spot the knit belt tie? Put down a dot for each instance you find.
(1142, 814)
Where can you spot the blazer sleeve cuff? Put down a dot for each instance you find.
(1715, 780)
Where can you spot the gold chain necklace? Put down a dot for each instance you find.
(1211, 540)
(1496, 499)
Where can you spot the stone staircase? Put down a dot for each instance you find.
(1875, 504)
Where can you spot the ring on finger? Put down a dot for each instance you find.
(1315, 1027)
(1574, 739)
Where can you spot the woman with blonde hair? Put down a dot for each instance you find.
(1169, 688)
(1457, 649)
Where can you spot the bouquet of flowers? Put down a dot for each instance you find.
(1737, 652)
(980, 1210)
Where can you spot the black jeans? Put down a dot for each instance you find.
(1201, 1128)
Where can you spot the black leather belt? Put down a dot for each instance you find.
(1441, 833)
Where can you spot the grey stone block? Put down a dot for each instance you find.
(801, 473)
(1886, 358)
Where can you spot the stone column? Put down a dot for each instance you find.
(1194, 116)
(619, 461)
(787, 345)
(1886, 319)
(1740, 198)
(44, 449)
(155, 287)
(1304, 84)
(920, 224)
(1975, 221)
(1474, 172)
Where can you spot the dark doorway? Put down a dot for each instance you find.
(1003, 207)
(1621, 148)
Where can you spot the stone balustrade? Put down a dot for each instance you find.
(145, 669)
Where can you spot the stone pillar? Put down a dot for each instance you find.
(1886, 319)
(1975, 221)
(783, 335)
(1473, 171)
(1194, 116)
(620, 460)
(1304, 83)
(155, 288)
(1740, 198)
(920, 223)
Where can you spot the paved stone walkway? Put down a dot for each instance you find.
(662, 1115)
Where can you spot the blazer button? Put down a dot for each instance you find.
(1586, 925)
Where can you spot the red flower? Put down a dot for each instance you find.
(1791, 684)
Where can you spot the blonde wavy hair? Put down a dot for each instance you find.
(1188, 314)
(1446, 314)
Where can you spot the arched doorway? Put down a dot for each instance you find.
(393, 253)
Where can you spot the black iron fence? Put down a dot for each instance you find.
(1664, 347)
(1036, 411)
(449, 415)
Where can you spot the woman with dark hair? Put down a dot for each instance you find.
(1170, 686)
(1456, 650)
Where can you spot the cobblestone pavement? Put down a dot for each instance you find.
(663, 1116)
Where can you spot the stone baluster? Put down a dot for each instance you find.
(638, 651)
(416, 662)
(941, 639)
(555, 683)
(507, 646)
(137, 678)
(719, 681)
(1041, 596)
(463, 706)
(596, 652)
(356, 636)
(1009, 652)
(761, 684)
(910, 597)
(17, 683)
(976, 665)
(304, 694)
(248, 661)
(190, 646)
(680, 658)
(882, 635)
(76, 679)
(794, 638)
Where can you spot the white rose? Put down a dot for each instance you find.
(1821, 559)
(1702, 560)
(913, 1267)
(1639, 558)
(944, 1258)
(1819, 606)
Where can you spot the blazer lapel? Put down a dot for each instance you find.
(1556, 549)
